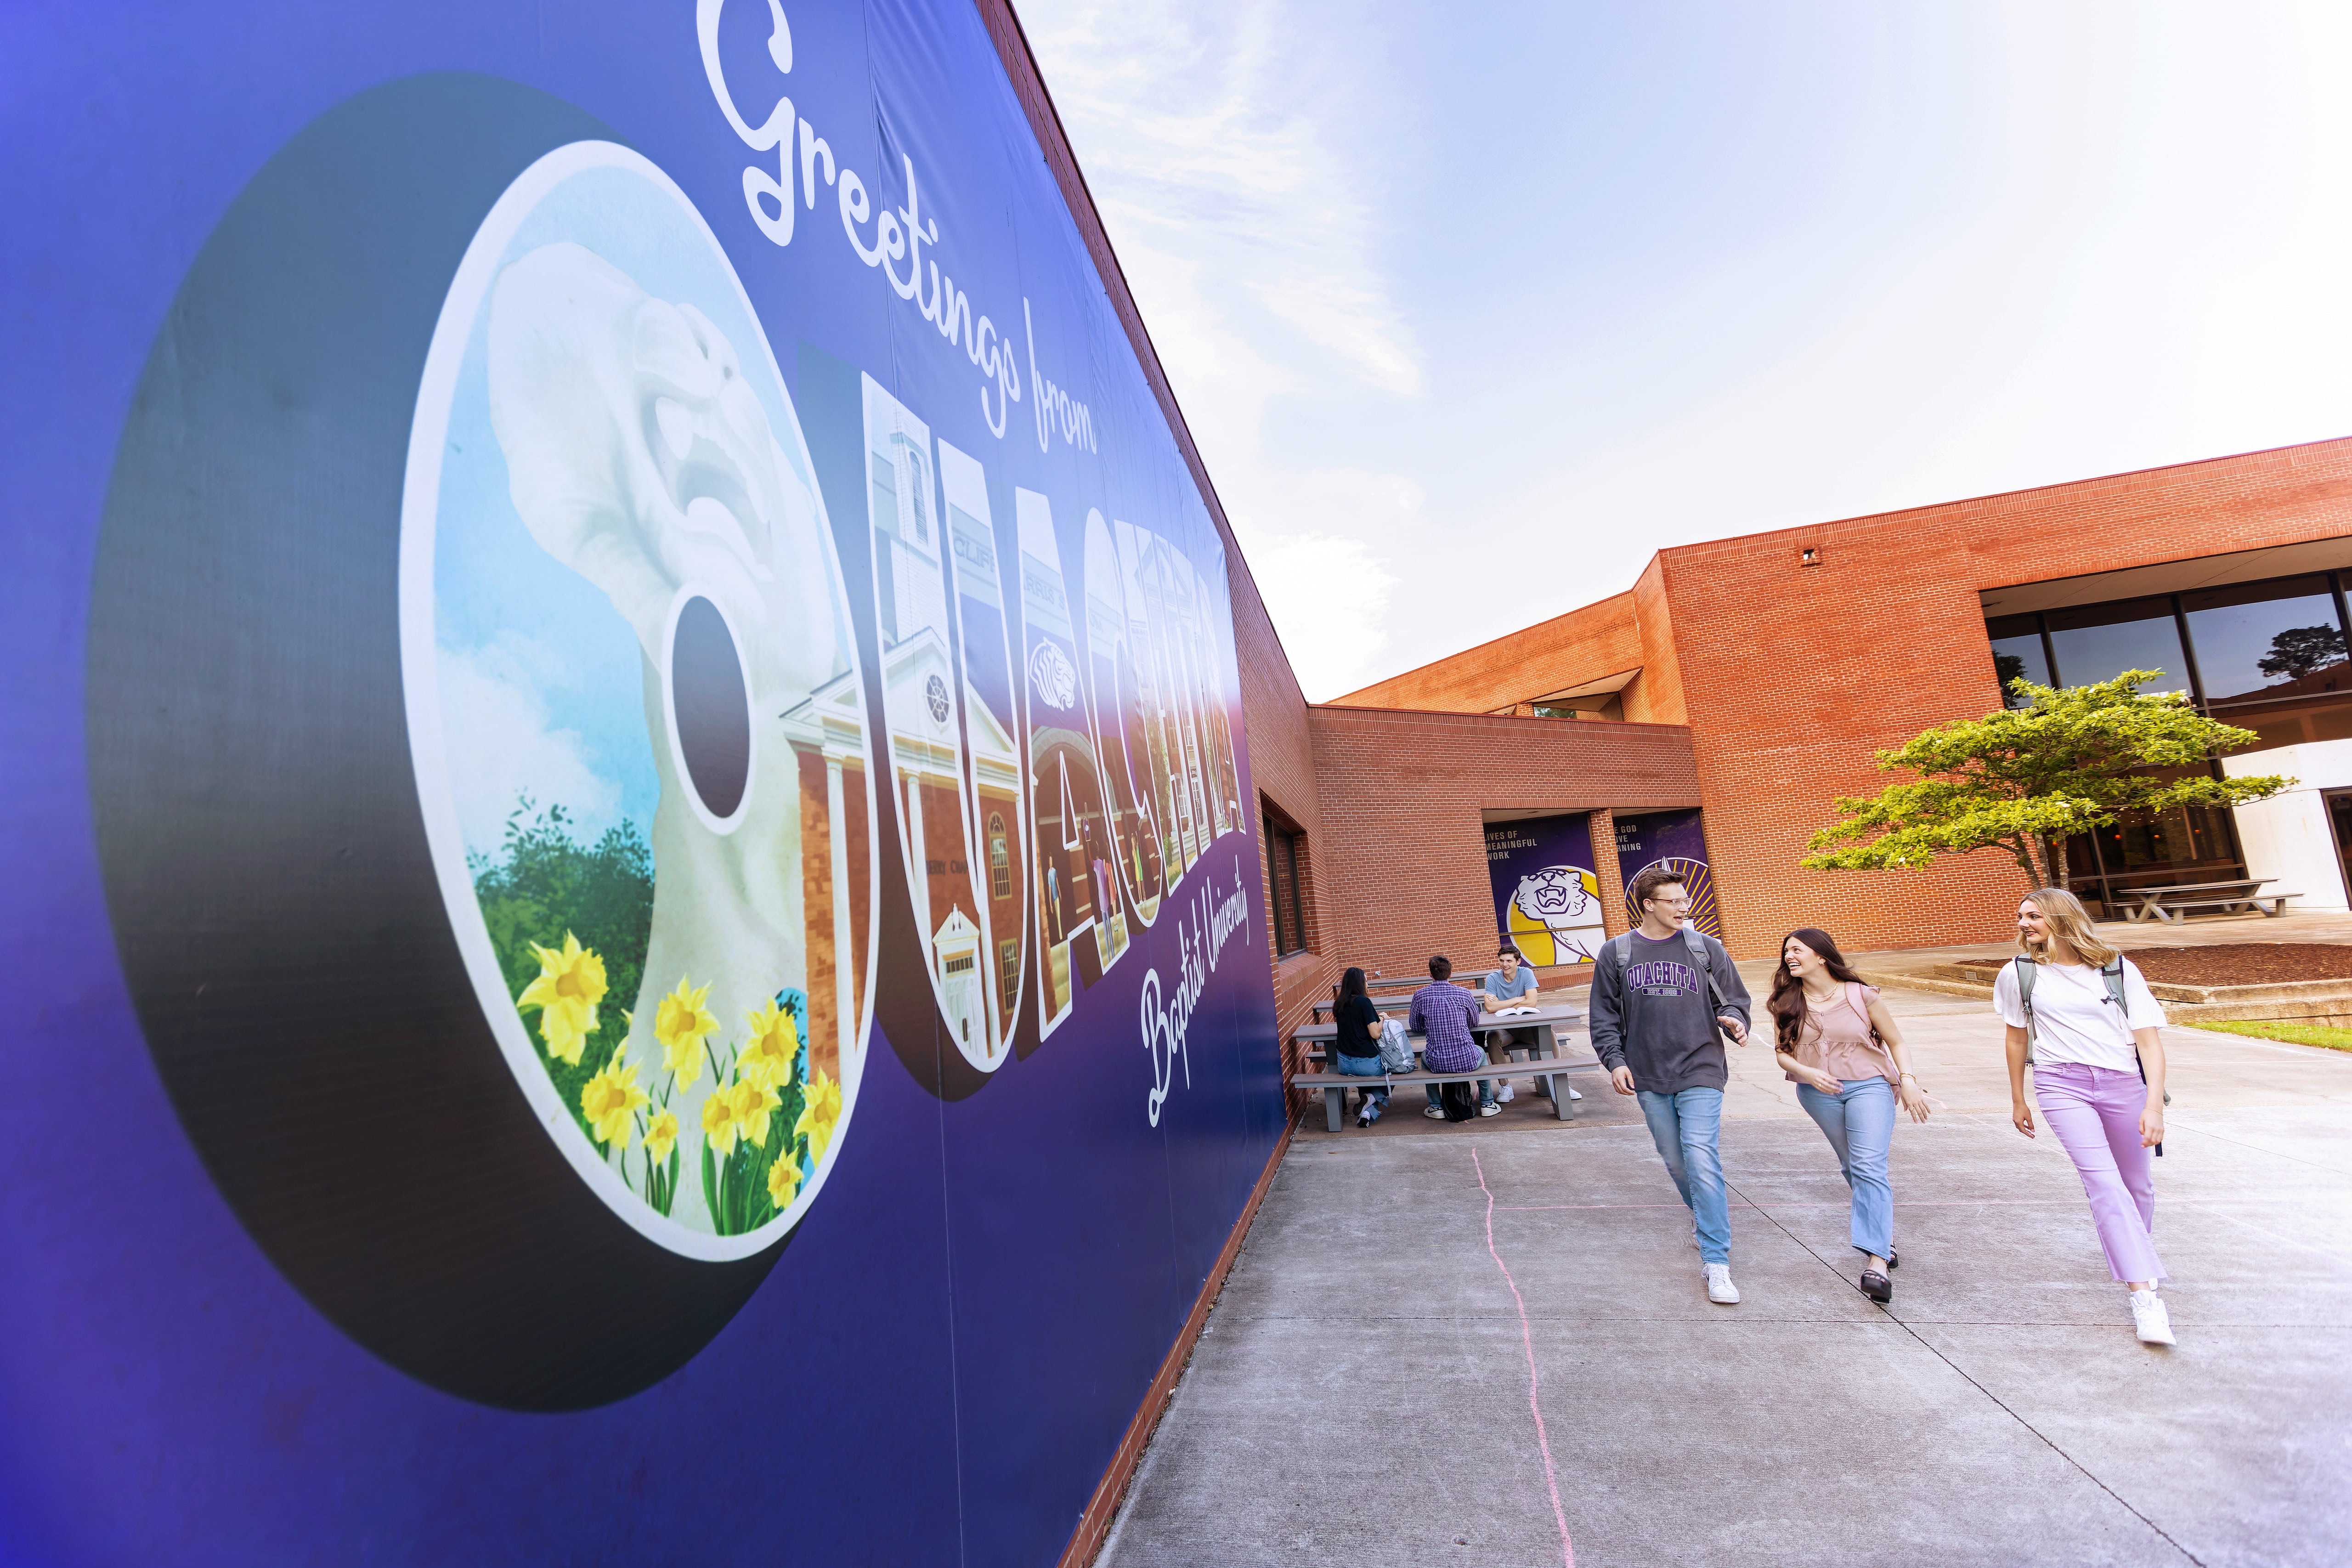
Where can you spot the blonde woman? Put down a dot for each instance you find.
(2083, 1013)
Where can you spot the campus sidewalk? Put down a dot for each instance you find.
(1362, 1393)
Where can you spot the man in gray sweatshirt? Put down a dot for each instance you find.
(1659, 996)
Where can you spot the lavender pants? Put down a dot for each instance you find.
(2095, 1111)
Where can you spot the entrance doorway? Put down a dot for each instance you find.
(2339, 819)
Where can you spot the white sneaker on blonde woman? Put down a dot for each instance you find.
(1719, 1287)
(2153, 1323)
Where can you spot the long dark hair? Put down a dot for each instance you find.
(1787, 1003)
(1351, 984)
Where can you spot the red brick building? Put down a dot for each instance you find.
(1754, 678)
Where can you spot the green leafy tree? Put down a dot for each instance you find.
(545, 883)
(2023, 778)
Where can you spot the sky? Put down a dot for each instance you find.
(1472, 309)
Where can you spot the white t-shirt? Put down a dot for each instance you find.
(2074, 1018)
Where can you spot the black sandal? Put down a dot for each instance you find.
(1876, 1286)
(1893, 1262)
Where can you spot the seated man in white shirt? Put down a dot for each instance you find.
(1511, 984)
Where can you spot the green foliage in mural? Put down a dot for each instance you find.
(545, 886)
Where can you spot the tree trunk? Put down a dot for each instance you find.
(2058, 856)
(2021, 849)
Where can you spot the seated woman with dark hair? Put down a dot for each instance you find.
(1357, 1048)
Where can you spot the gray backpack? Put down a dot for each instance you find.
(1396, 1046)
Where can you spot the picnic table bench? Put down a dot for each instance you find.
(1546, 1021)
(2170, 904)
(1335, 1086)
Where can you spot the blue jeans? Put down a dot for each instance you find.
(1376, 1098)
(1685, 1126)
(1859, 1122)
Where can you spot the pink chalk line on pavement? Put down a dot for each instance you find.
(1527, 1342)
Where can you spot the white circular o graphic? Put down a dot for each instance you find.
(628, 670)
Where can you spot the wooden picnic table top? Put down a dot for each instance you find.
(1553, 1012)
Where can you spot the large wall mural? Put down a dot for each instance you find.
(1547, 894)
(1672, 841)
(644, 828)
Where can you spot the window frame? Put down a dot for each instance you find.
(1284, 879)
(2099, 872)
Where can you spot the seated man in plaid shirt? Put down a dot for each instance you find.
(1442, 1016)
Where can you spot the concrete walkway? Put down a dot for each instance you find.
(1362, 1395)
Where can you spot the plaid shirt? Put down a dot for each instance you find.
(1443, 1013)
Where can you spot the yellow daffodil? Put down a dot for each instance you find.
(775, 1044)
(753, 1102)
(783, 1180)
(566, 1030)
(660, 1136)
(609, 1100)
(719, 1122)
(570, 984)
(681, 1024)
(820, 1115)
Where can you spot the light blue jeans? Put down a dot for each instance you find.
(1686, 1127)
(1375, 1096)
(1859, 1122)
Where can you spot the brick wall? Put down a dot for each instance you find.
(1402, 847)
(1584, 645)
(1281, 771)
(1789, 677)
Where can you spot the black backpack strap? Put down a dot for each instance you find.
(1698, 945)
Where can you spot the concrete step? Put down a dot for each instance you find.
(2297, 1002)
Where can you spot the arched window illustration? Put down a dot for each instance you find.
(999, 858)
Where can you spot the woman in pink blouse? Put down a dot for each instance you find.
(1838, 1044)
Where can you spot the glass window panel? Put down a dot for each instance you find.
(2099, 642)
(1289, 929)
(2191, 844)
(2016, 652)
(2266, 642)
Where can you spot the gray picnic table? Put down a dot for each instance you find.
(1548, 1020)
(2172, 904)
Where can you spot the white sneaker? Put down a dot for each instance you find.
(1721, 1291)
(1504, 1095)
(2149, 1318)
(1490, 1109)
(1435, 1113)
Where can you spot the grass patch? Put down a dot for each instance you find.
(2333, 1039)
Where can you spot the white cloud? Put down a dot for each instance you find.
(1226, 150)
(502, 745)
(1567, 285)
(1330, 594)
